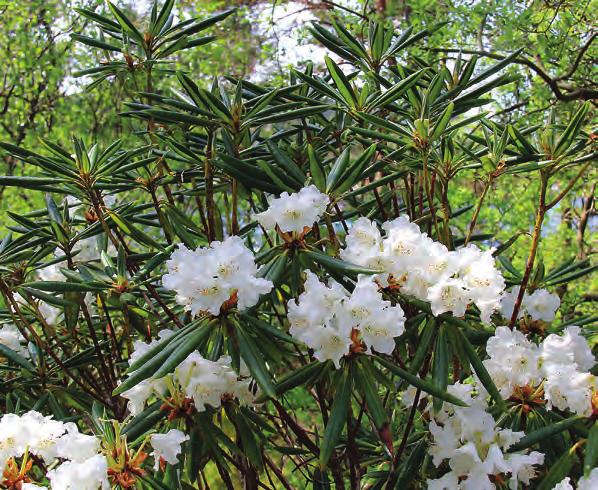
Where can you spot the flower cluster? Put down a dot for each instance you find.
(475, 447)
(540, 305)
(331, 321)
(205, 278)
(421, 267)
(11, 337)
(196, 378)
(556, 370)
(80, 465)
(294, 212)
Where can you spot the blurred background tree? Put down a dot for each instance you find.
(40, 92)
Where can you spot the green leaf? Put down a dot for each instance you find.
(440, 367)
(409, 470)
(336, 265)
(95, 43)
(126, 25)
(480, 369)
(396, 91)
(162, 17)
(48, 298)
(286, 162)
(135, 233)
(558, 471)
(297, 377)
(168, 358)
(337, 418)
(338, 169)
(251, 447)
(315, 169)
(442, 122)
(144, 421)
(591, 450)
(544, 433)
(342, 83)
(354, 172)
(416, 381)
(319, 86)
(15, 357)
(65, 286)
(290, 115)
(571, 131)
(365, 383)
(254, 361)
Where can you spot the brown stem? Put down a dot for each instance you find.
(476, 213)
(540, 213)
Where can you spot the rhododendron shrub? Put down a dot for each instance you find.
(274, 289)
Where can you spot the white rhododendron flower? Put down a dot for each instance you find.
(514, 361)
(560, 365)
(421, 267)
(206, 382)
(167, 446)
(197, 378)
(540, 305)
(569, 348)
(585, 483)
(207, 277)
(52, 440)
(76, 446)
(12, 338)
(475, 447)
(294, 212)
(141, 392)
(326, 318)
(90, 474)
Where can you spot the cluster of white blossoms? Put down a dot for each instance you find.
(205, 278)
(167, 446)
(421, 267)
(294, 212)
(330, 320)
(80, 464)
(540, 305)
(11, 337)
(560, 364)
(474, 446)
(584, 483)
(196, 378)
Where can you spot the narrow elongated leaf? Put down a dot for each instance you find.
(338, 169)
(15, 357)
(342, 82)
(95, 43)
(337, 418)
(336, 265)
(558, 471)
(365, 383)
(315, 169)
(544, 433)
(480, 369)
(254, 361)
(416, 381)
(572, 130)
(440, 367)
(126, 25)
(442, 122)
(591, 457)
(396, 91)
